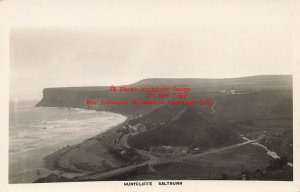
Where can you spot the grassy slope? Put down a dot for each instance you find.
(194, 127)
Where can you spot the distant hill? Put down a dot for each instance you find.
(77, 96)
(268, 103)
(254, 82)
(256, 105)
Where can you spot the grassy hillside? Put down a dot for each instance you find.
(158, 116)
(257, 105)
(193, 128)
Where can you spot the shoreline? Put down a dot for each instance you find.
(33, 160)
(30, 161)
(60, 159)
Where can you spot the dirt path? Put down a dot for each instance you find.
(124, 143)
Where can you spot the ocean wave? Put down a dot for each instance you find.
(44, 126)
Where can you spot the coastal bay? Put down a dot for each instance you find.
(37, 132)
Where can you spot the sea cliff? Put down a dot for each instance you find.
(75, 97)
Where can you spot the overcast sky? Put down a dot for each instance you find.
(59, 43)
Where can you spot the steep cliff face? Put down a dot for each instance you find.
(76, 97)
(70, 97)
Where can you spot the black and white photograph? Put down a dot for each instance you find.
(151, 93)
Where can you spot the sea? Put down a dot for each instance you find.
(35, 132)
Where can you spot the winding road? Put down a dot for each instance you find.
(155, 161)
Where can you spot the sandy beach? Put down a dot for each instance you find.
(24, 165)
